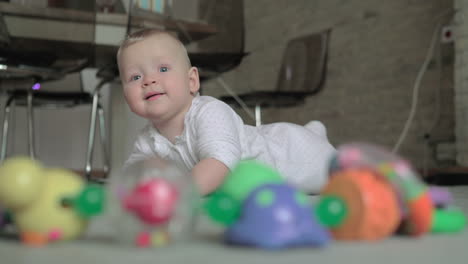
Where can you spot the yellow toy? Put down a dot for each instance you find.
(46, 204)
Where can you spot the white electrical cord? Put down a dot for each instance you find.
(238, 100)
(417, 83)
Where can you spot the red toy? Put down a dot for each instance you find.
(152, 201)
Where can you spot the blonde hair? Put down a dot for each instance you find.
(146, 33)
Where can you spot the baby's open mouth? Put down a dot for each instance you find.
(153, 96)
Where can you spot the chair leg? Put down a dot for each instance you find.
(258, 115)
(6, 118)
(92, 129)
(30, 125)
(103, 132)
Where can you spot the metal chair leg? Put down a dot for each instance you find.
(258, 115)
(92, 129)
(6, 118)
(102, 130)
(30, 125)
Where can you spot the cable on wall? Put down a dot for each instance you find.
(417, 83)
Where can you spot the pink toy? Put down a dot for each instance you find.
(153, 201)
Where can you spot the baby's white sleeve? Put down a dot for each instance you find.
(218, 131)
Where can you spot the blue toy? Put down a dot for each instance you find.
(276, 216)
(260, 209)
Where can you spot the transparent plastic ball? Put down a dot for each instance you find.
(153, 203)
(359, 154)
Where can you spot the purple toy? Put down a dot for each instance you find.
(276, 216)
(441, 197)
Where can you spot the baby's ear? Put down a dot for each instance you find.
(194, 80)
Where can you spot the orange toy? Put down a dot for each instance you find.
(420, 215)
(358, 204)
(372, 192)
(413, 194)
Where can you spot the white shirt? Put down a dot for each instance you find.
(213, 130)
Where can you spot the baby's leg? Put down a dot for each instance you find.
(301, 153)
(307, 168)
(317, 127)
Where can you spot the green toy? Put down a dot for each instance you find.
(451, 220)
(224, 205)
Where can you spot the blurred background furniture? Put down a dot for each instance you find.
(39, 44)
(302, 74)
(212, 30)
(225, 50)
(25, 72)
(34, 100)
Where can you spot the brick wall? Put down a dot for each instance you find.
(461, 80)
(376, 51)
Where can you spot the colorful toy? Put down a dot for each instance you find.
(156, 204)
(277, 216)
(372, 192)
(261, 210)
(224, 205)
(357, 204)
(47, 204)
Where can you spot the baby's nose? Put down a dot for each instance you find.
(150, 82)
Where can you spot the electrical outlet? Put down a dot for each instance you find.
(447, 35)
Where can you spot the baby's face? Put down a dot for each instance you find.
(157, 80)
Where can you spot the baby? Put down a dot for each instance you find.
(201, 134)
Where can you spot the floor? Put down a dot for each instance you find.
(98, 246)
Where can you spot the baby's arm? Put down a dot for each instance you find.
(218, 132)
(209, 175)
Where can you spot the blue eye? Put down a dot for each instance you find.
(163, 69)
(135, 77)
